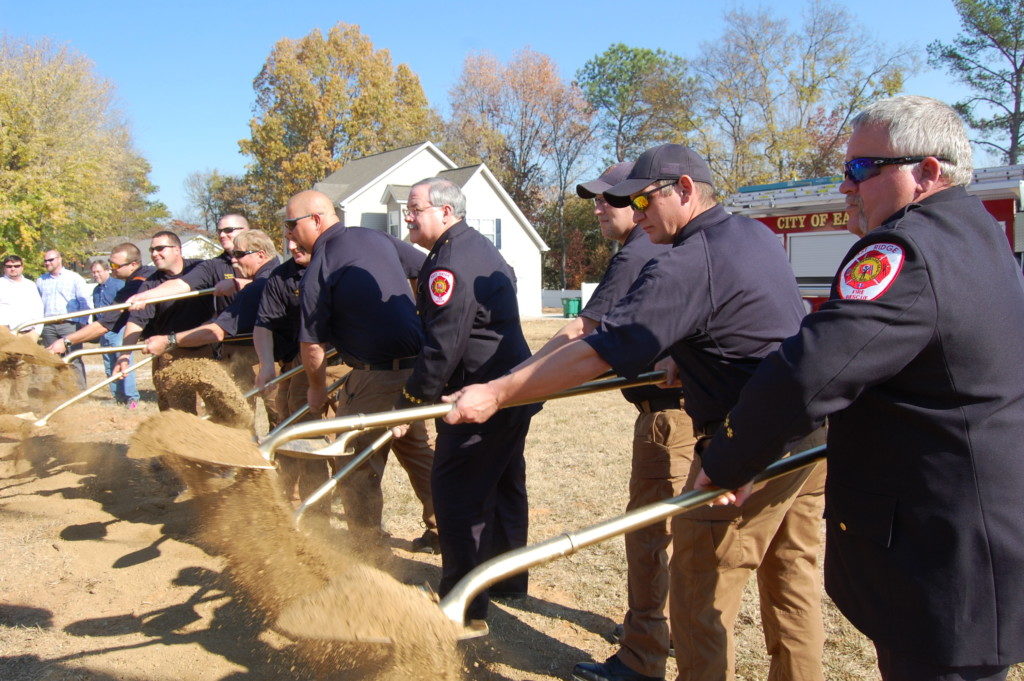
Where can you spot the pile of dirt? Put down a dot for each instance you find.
(23, 348)
(31, 377)
(178, 434)
(324, 593)
(185, 378)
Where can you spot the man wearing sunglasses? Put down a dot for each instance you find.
(62, 291)
(167, 317)
(717, 302)
(356, 297)
(19, 297)
(19, 302)
(662, 438)
(126, 266)
(255, 257)
(918, 359)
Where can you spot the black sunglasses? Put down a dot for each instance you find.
(51, 259)
(290, 223)
(228, 230)
(159, 249)
(858, 170)
(238, 255)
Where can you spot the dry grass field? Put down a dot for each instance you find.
(102, 577)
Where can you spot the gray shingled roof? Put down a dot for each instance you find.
(459, 176)
(358, 173)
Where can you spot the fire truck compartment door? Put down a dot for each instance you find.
(818, 254)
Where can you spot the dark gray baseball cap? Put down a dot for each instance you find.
(667, 162)
(610, 177)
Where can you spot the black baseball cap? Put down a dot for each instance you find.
(667, 162)
(613, 175)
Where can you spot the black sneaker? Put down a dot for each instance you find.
(428, 542)
(609, 670)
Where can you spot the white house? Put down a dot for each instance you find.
(373, 190)
(195, 243)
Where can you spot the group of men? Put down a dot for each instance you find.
(921, 385)
(917, 362)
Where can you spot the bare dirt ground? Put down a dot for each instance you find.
(104, 574)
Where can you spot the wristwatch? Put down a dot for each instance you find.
(172, 340)
(67, 343)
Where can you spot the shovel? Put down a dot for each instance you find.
(294, 618)
(116, 376)
(302, 411)
(107, 349)
(241, 454)
(108, 308)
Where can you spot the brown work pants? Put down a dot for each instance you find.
(776, 533)
(368, 392)
(663, 444)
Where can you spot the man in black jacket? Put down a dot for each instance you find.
(467, 304)
(918, 358)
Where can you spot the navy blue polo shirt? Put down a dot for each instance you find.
(207, 273)
(279, 309)
(240, 316)
(173, 315)
(410, 257)
(623, 269)
(356, 297)
(115, 321)
(720, 300)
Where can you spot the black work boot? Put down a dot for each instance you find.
(610, 670)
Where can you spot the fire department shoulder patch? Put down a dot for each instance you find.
(441, 284)
(871, 272)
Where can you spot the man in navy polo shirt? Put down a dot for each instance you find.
(662, 438)
(356, 297)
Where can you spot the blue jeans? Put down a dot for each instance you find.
(124, 390)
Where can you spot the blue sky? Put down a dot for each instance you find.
(183, 71)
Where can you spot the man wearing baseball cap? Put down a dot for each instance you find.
(662, 438)
(717, 302)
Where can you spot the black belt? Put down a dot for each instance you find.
(706, 430)
(659, 404)
(392, 365)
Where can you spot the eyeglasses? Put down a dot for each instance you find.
(12, 265)
(290, 223)
(858, 170)
(640, 202)
(114, 266)
(228, 230)
(51, 259)
(413, 212)
(159, 249)
(238, 255)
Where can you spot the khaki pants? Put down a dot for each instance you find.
(663, 444)
(777, 532)
(370, 392)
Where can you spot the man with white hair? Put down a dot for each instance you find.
(918, 360)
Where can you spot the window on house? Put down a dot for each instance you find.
(489, 227)
(395, 223)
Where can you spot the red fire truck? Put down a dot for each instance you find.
(810, 220)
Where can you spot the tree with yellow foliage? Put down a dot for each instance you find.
(68, 172)
(323, 100)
